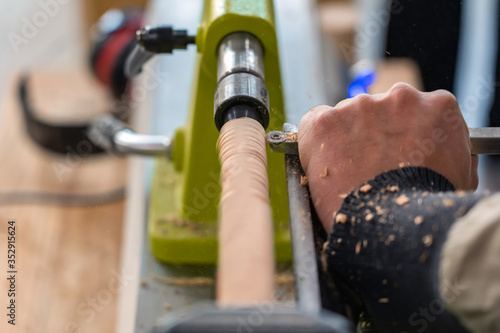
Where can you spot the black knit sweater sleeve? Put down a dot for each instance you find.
(383, 253)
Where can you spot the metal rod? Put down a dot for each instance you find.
(484, 140)
(240, 80)
(240, 52)
(113, 135)
(128, 142)
(135, 60)
(304, 254)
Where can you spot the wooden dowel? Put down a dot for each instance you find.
(246, 255)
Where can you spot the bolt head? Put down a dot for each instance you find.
(276, 137)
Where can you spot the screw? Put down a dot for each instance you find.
(276, 136)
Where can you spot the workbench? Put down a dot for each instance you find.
(67, 257)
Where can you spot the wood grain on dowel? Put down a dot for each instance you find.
(246, 257)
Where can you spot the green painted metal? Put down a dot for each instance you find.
(177, 241)
(183, 212)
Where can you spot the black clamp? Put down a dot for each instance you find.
(151, 41)
(163, 39)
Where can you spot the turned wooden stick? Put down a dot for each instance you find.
(246, 255)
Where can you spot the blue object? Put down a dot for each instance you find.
(361, 82)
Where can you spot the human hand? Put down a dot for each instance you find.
(344, 146)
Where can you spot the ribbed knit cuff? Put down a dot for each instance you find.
(402, 180)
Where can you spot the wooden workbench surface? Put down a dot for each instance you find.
(66, 257)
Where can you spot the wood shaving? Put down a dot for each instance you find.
(284, 278)
(343, 196)
(324, 174)
(381, 211)
(393, 189)
(339, 240)
(460, 194)
(365, 243)
(418, 220)
(341, 218)
(358, 248)
(427, 240)
(325, 246)
(291, 137)
(324, 262)
(369, 217)
(365, 188)
(174, 219)
(144, 282)
(448, 202)
(197, 281)
(383, 300)
(321, 147)
(423, 257)
(402, 200)
(281, 279)
(304, 180)
(333, 253)
(390, 238)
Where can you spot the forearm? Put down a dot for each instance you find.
(386, 244)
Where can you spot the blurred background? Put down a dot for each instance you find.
(62, 42)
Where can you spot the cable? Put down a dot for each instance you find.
(61, 199)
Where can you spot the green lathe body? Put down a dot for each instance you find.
(185, 192)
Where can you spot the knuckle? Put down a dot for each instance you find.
(326, 118)
(363, 100)
(444, 98)
(321, 109)
(402, 91)
(315, 118)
